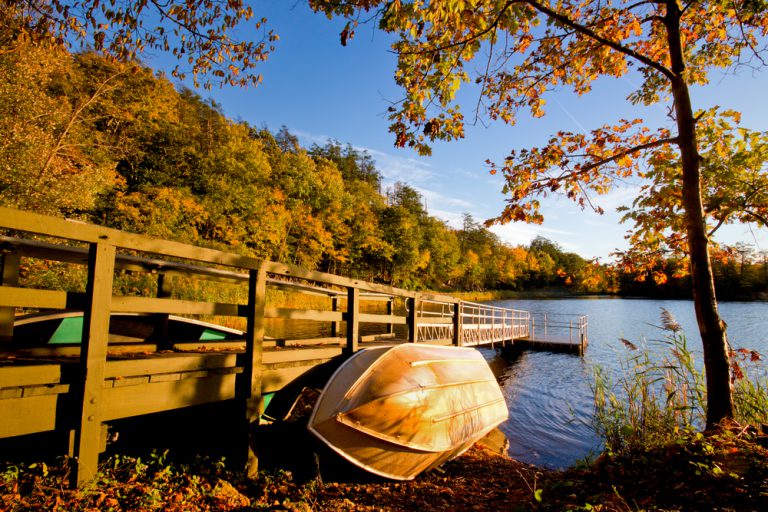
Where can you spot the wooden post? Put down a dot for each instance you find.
(457, 324)
(413, 327)
(390, 312)
(9, 276)
(249, 385)
(335, 326)
(161, 319)
(353, 319)
(93, 361)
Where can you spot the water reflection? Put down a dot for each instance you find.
(550, 407)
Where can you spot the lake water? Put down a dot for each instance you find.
(549, 394)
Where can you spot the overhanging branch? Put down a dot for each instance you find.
(568, 22)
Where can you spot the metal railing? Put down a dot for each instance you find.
(478, 324)
(566, 328)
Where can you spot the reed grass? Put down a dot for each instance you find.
(656, 401)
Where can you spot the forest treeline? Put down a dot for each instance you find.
(121, 146)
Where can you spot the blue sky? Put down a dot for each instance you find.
(321, 90)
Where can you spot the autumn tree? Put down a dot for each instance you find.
(526, 48)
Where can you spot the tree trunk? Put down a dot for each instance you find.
(711, 328)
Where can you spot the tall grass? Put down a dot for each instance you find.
(656, 396)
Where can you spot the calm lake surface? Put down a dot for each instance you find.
(549, 395)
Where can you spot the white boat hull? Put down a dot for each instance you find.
(400, 410)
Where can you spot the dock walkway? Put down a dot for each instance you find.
(77, 389)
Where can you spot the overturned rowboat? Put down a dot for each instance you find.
(399, 410)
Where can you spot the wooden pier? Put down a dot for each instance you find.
(77, 390)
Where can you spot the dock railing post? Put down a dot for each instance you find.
(353, 319)
(249, 385)
(335, 326)
(86, 441)
(9, 276)
(161, 319)
(390, 312)
(457, 324)
(413, 325)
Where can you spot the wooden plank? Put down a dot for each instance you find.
(29, 375)
(303, 354)
(50, 389)
(169, 364)
(382, 319)
(6, 393)
(58, 252)
(322, 277)
(304, 314)
(30, 415)
(9, 276)
(127, 401)
(172, 306)
(128, 381)
(304, 342)
(45, 299)
(93, 358)
(353, 319)
(164, 377)
(74, 350)
(238, 345)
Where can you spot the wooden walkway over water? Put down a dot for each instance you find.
(77, 390)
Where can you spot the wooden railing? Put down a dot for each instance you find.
(78, 396)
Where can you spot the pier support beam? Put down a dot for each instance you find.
(161, 319)
(353, 319)
(9, 276)
(390, 312)
(335, 326)
(413, 314)
(458, 326)
(249, 385)
(93, 361)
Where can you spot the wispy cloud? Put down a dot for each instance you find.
(438, 201)
(620, 197)
(518, 233)
(392, 167)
